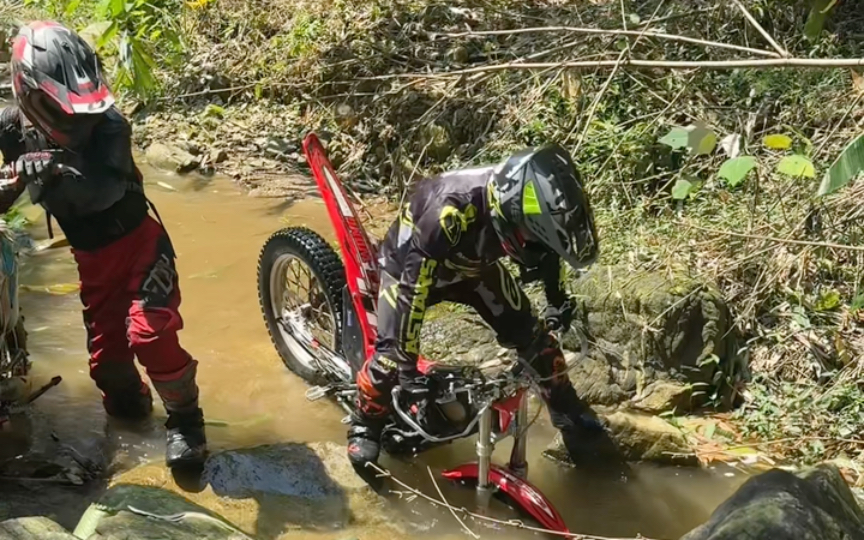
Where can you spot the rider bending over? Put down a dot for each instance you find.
(447, 244)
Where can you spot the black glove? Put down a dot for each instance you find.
(36, 168)
(414, 383)
(559, 318)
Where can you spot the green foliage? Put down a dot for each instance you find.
(847, 167)
(796, 166)
(819, 12)
(777, 141)
(735, 170)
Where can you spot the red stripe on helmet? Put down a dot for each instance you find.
(18, 48)
(96, 96)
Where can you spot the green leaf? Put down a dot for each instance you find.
(677, 138)
(709, 430)
(635, 18)
(71, 8)
(735, 170)
(701, 140)
(819, 12)
(828, 300)
(846, 168)
(94, 33)
(214, 110)
(777, 141)
(682, 189)
(796, 166)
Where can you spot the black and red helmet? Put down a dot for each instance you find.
(58, 83)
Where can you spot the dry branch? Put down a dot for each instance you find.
(761, 30)
(611, 32)
(816, 63)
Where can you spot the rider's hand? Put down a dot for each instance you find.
(559, 318)
(413, 382)
(36, 167)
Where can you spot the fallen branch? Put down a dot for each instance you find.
(761, 30)
(817, 63)
(511, 523)
(455, 516)
(829, 245)
(612, 32)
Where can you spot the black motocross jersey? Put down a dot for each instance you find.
(105, 202)
(444, 235)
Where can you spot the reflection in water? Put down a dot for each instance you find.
(248, 396)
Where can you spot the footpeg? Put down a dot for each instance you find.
(317, 392)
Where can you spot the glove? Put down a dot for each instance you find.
(36, 168)
(559, 318)
(414, 383)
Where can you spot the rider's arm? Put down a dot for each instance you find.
(11, 146)
(550, 272)
(104, 177)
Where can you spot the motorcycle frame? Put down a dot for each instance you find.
(360, 258)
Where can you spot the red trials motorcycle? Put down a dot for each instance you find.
(320, 311)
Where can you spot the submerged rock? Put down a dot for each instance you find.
(815, 504)
(638, 437)
(266, 491)
(656, 338)
(33, 528)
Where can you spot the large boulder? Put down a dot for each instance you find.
(815, 504)
(267, 491)
(656, 336)
(33, 528)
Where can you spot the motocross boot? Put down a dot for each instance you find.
(364, 440)
(133, 405)
(186, 442)
(124, 395)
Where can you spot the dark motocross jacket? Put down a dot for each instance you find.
(444, 235)
(94, 209)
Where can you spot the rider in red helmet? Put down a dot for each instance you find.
(72, 151)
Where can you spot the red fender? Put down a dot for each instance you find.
(522, 492)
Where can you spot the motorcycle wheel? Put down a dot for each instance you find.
(300, 279)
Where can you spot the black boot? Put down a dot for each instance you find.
(133, 404)
(364, 442)
(186, 441)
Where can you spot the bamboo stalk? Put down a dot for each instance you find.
(614, 32)
(815, 63)
(783, 52)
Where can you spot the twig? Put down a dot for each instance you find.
(605, 32)
(597, 98)
(824, 63)
(455, 516)
(511, 523)
(783, 52)
(829, 245)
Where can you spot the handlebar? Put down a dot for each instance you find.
(8, 174)
(515, 376)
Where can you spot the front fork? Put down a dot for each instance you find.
(518, 465)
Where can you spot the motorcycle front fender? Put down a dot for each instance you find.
(520, 491)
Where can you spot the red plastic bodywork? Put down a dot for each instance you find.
(359, 254)
(528, 497)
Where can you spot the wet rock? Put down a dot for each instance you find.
(172, 158)
(265, 491)
(656, 336)
(129, 511)
(33, 528)
(638, 437)
(279, 148)
(815, 504)
(218, 155)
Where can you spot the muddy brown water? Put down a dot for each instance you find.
(250, 398)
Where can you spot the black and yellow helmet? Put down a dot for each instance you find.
(538, 204)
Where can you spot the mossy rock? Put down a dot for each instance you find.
(33, 528)
(657, 337)
(815, 504)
